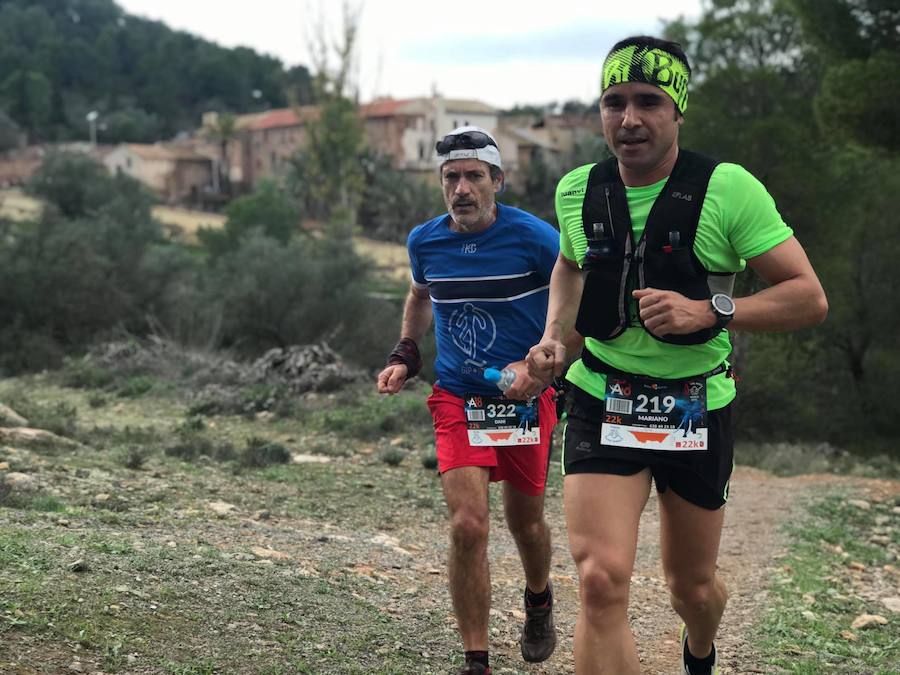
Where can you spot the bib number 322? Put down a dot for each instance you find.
(501, 421)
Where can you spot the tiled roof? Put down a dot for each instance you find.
(383, 107)
(278, 118)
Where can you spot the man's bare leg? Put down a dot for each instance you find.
(603, 512)
(525, 518)
(466, 494)
(689, 544)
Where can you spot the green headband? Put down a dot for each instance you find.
(653, 66)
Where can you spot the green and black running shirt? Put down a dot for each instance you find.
(738, 221)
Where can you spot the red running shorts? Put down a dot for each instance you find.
(524, 466)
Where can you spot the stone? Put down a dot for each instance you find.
(300, 458)
(221, 509)
(10, 418)
(78, 566)
(269, 553)
(20, 482)
(867, 620)
(860, 504)
(4, 466)
(39, 438)
(892, 604)
(262, 515)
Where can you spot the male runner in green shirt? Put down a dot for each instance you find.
(649, 244)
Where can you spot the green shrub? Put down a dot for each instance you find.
(370, 418)
(393, 456)
(134, 387)
(429, 458)
(81, 374)
(191, 445)
(260, 453)
(133, 457)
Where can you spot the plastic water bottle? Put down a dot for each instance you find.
(502, 378)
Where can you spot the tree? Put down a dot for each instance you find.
(223, 131)
(10, 134)
(326, 176)
(393, 202)
(268, 209)
(803, 94)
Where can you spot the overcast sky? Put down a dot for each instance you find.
(501, 52)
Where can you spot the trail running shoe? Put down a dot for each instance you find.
(473, 669)
(538, 634)
(687, 671)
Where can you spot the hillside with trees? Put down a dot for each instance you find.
(61, 59)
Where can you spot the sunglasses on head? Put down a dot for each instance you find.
(469, 140)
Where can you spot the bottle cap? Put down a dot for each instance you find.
(492, 375)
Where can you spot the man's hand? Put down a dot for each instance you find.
(391, 379)
(670, 313)
(524, 386)
(546, 360)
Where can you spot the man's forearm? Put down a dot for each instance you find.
(788, 305)
(566, 285)
(416, 316)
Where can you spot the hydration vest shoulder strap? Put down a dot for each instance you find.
(680, 202)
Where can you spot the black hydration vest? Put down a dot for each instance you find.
(663, 258)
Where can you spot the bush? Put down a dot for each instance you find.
(135, 386)
(192, 445)
(81, 374)
(133, 457)
(372, 418)
(429, 459)
(260, 453)
(393, 456)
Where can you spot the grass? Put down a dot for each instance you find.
(815, 635)
(795, 459)
(336, 578)
(158, 566)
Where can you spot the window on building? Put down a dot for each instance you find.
(421, 149)
(128, 162)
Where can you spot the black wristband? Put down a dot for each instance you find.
(407, 353)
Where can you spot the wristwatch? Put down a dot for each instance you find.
(723, 308)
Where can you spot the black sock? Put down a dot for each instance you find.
(699, 666)
(478, 657)
(533, 599)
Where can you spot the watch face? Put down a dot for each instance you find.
(723, 304)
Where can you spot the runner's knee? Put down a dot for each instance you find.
(469, 529)
(530, 531)
(603, 584)
(695, 594)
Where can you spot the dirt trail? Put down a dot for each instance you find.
(751, 543)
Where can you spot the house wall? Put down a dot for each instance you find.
(191, 179)
(154, 173)
(266, 151)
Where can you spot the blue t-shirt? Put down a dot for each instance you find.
(488, 292)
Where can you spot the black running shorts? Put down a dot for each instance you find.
(701, 478)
